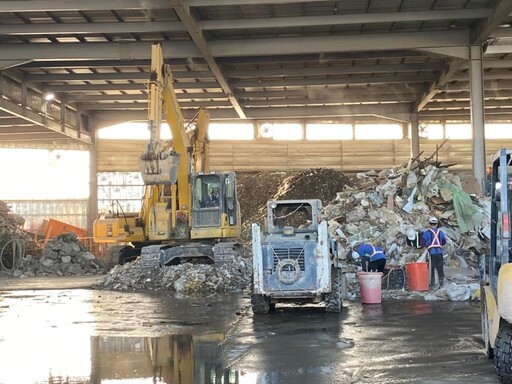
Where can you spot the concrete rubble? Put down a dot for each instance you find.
(63, 255)
(185, 278)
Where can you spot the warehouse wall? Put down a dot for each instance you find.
(272, 155)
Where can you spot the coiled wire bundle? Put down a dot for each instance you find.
(12, 254)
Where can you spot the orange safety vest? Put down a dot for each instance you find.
(436, 243)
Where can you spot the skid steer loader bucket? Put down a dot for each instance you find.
(159, 168)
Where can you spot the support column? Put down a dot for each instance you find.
(93, 183)
(415, 136)
(476, 79)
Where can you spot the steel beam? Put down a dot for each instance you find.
(39, 119)
(49, 78)
(454, 114)
(340, 92)
(74, 5)
(488, 85)
(345, 43)
(322, 57)
(500, 49)
(95, 51)
(144, 106)
(347, 19)
(493, 75)
(215, 3)
(477, 112)
(330, 100)
(501, 32)
(338, 81)
(91, 28)
(241, 47)
(415, 137)
(465, 104)
(482, 30)
(443, 78)
(124, 87)
(347, 110)
(67, 64)
(182, 10)
(142, 97)
(334, 70)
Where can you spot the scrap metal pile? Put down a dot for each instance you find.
(185, 278)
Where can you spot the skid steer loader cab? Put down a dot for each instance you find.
(293, 259)
(496, 271)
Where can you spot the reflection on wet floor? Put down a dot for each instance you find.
(167, 359)
(82, 336)
(77, 336)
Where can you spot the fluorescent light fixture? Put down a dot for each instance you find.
(49, 96)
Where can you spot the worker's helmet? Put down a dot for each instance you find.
(411, 234)
(354, 244)
(432, 220)
(354, 256)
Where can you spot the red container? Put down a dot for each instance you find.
(417, 276)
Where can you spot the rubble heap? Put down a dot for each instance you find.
(381, 207)
(63, 255)
(255, 190)
(9, 223)
(185, 278)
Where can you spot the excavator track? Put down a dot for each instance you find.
(154, 256)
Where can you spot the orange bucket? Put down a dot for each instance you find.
(417, 276)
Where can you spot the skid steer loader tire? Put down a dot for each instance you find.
(260, 304)
(334, 300)
(503, 354)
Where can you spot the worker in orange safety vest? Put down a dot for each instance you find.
(433, 239)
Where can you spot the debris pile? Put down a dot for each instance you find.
(185, 278)
(9, 223)
(255, 190)
(380, 207)
(63, 255)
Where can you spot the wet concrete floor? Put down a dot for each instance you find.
(87, 336)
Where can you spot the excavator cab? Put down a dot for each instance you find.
(496, 270)
(215, 211)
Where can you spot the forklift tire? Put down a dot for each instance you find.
(334, 300)
(261, 304)
(503, 354)
(489, 350)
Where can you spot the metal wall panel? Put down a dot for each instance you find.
(271, 155)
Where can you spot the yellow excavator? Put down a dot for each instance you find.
(496, 271)
(188, 213)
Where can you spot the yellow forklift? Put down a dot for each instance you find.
(187, 211)
(496, 271)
